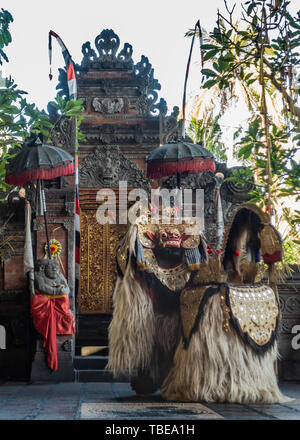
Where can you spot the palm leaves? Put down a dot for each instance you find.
(244, 65)
(208, 132)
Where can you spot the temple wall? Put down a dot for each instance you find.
(123, 123)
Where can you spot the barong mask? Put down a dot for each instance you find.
(170, 251)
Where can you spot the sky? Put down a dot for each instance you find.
(155, 28)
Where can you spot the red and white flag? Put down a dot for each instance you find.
(72, 86)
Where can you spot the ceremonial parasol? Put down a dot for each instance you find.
(180, 156)
(39, 161)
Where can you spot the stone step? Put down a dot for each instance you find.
(90, 362)
(97, 376)
(92, 369)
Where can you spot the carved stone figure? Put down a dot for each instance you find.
(107, 43)
(106, 166)
(50, 309)
(49, 279)
(108, 105)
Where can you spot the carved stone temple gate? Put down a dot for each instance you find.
(122, 124)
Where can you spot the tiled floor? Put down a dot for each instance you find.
(116, 401)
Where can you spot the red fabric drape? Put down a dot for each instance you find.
(269, 259)
(52, 316)
(158, 169)
(40, 173)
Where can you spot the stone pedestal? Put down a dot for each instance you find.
(40, 371)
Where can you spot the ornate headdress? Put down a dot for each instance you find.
(168, 230)
(265, 243)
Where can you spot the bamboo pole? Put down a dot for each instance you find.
(264, 113)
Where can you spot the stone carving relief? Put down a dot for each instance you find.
(63, 133)
(106, 166)
(89, 54)
(67, 345)
(126, 54)
(107, 44)
(171, 127)
(286, 326)
(290, 305)
(108, 105)
(231, 194)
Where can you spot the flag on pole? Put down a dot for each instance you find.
(197, 26)
(72, 86)
(71, 77)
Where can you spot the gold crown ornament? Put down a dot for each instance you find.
(211, 270)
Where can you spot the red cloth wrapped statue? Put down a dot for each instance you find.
(50, 308)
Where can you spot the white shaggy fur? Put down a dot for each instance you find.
(132, 329)
(219, 367)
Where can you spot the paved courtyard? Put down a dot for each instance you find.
(116, 401)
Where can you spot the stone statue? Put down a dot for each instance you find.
(48, 278)
(50, 307)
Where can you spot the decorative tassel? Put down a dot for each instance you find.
(271, 248)
(50, 55)
(226, 313)
(219, 209)
(273, 258)
(140, 258)
(192, 258)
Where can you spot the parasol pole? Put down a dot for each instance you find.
(178, 180)
(44, 210)
(197, 25)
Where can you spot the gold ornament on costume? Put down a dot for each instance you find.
(211, 270)
(270, 242)
(252, 272)
(256, 310)
(174, 279)
(184, 235)
(226, 313)
(190, 300)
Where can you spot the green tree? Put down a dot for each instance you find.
(19, 118)
(251, 56)
(5, 37)
(260, 52)
(208, 132)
